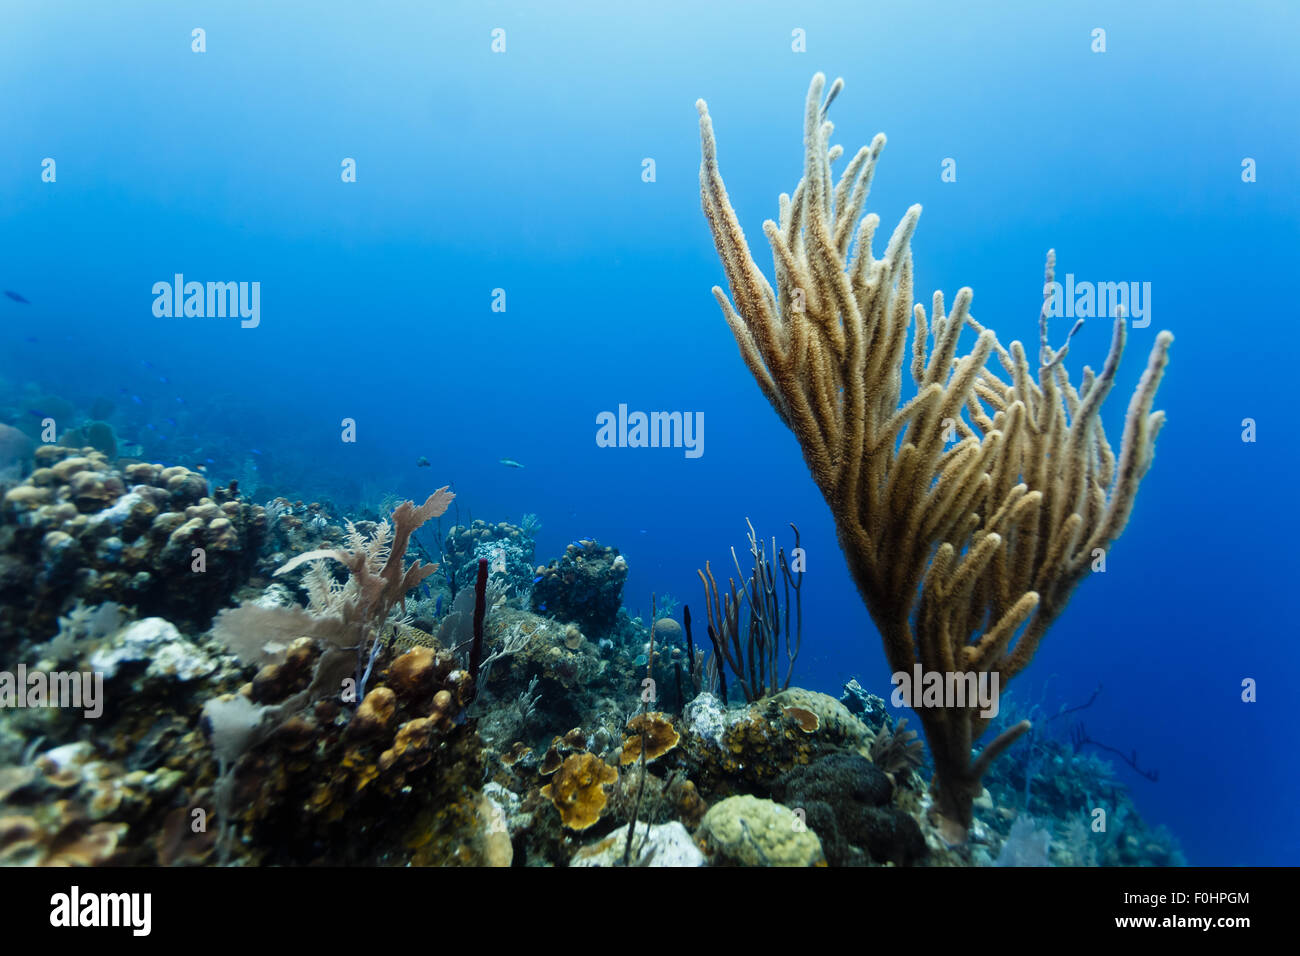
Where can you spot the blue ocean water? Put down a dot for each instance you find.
(525, 171)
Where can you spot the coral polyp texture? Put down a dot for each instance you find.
(967, 513)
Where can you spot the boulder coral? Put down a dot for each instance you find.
(146, 536)
(749, 831)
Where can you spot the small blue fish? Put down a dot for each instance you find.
(150, 427)
(537, 579)
(541, 607)
(210, 461)
(511, 463)
(256, 451)
(16, 297)
(163, 379)
(437, 607)
(136, 399)
(170, 421)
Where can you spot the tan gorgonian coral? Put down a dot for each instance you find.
(346, 618)
(967, 513)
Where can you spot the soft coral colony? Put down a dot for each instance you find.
(967, 514)
(462, 702)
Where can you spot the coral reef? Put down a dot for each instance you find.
(146, 536)
(399, 762)
(583, 586)
(507, 548)
(345, 730)
(760, 742)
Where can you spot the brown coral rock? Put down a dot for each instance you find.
(516, 753)
(412, 674)
(551, 762)
(578, 789)
(690, 805)
(26, 497)
(412, 746)
(656, 730)
(375, 712)
(65, 469)
(573, 637)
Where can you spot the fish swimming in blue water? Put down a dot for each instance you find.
(421, 462)
(16, 297)
(537, 579)
(511, 463)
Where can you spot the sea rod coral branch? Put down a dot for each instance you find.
(967, 512)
